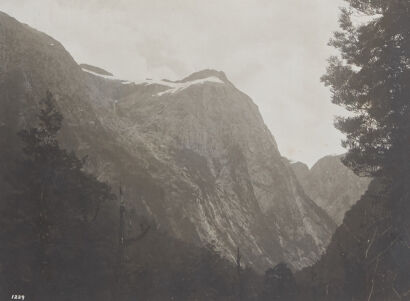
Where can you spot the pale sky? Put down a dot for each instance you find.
(274, 51)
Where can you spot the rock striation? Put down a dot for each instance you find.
(194, 156)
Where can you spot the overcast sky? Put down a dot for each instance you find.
(275, 51)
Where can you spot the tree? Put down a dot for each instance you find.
(279, 284)
(238, 273)
(49, 214)
(118, 290)
(371, 79)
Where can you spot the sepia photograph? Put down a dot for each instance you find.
(205, 150)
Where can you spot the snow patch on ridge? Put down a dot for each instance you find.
(171, 87)
(177, 87)
(110, 77)
(98, 74)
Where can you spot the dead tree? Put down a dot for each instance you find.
(123, 243)
(238, 272)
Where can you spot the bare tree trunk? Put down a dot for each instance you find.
(123, 243)
(116, 292)
(238, 271)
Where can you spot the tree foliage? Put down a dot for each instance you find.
(368, 258)
(48, 215)
(371, 79)
(279, 284)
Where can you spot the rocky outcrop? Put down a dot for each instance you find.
(332, 185)
(194, 156)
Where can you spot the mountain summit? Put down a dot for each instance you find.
(226, 182)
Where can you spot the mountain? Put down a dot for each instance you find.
(331, 185)
(368, 256)
(194, 156)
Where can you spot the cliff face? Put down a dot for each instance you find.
(194, 155)
(332, 186)
(368, 257)
(214, 138)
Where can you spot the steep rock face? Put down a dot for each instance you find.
(237, 189)
(194, 155)
(368, 257)
(332, 186)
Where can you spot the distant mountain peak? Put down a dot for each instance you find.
(331, 185)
